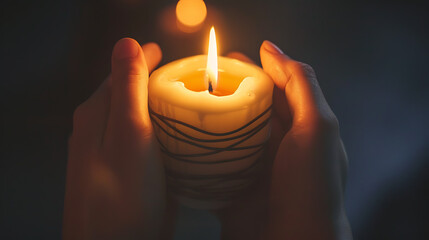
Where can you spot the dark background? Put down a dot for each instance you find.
(371, 60)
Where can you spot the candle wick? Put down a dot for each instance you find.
(210, 87)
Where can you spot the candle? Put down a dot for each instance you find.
(211, 117)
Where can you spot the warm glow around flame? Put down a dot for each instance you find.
(212, 69)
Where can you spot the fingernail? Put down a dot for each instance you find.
(272, 48)
(126, 48)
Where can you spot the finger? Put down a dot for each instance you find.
(298, 81)
(129, 86)
(100, 99)
(91, 116)
(153, 55)
(344, 164)
(240, 56)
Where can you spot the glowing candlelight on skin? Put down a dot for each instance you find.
(211, 117)
(212, 69)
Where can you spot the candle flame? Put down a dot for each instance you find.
(212, 67)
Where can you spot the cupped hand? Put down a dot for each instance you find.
(115, 180)
(301, 195)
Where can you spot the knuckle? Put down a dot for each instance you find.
(328, 123)
(302, 68)
(310, 73)
(79, 116)
(323, 125)
(307, 68)
(295, 66)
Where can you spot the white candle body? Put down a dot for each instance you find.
(216, 114)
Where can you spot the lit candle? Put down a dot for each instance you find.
(212, 125)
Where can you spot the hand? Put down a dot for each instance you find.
(301, 196)
(115, 181)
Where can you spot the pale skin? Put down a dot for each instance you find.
(115, 182)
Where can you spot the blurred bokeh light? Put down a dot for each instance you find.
(190, 14)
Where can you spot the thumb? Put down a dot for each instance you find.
(129, 84)
(298, 83)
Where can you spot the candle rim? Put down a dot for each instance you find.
(161, 80)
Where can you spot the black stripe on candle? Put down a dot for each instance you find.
(211, 133)
(211, 187)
